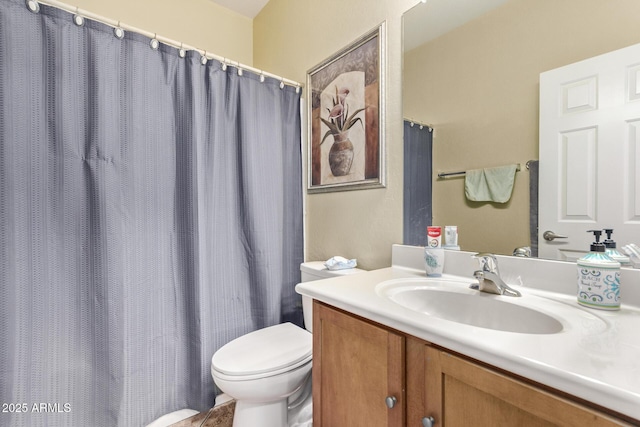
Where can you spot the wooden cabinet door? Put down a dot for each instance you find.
(460, 393)
(357, 365)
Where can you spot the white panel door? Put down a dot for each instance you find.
(590, 153)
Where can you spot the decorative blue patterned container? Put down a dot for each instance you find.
(599, 281)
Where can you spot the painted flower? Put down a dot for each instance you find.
(336, 111)
(342, 94)
(339, 120)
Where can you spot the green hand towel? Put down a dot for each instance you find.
(490, 184)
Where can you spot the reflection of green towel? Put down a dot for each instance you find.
(490, 184)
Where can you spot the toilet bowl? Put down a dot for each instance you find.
(262, 369)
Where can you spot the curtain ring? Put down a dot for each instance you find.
(297, 89)
(282, 84)
(203, 58)
(32, 5)
(261, 76)
(224, 64)
(182, 53)
(154, 43)
(77, 18)
(118, 32)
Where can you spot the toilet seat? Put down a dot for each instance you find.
(281, 348)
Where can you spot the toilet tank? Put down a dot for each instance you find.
(315, 270)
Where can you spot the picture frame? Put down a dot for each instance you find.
(345, 108)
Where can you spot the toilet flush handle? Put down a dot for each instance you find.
(391, 401)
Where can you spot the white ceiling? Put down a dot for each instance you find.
(248, 8)
(422, 23)
(429, 20)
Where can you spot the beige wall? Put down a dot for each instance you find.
(291, 37)
(478, 86)
(199, 23)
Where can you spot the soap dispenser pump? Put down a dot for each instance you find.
(611, 250)
(598, 277)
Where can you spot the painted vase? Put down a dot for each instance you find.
(341, 154)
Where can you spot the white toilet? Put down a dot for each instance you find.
(263, 368)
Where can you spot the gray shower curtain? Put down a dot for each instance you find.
(150, 212)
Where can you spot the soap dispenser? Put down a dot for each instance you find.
(611, 250)
(598, 277)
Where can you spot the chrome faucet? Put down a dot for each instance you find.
(489, 279)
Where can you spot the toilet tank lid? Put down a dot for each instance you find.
(318, 268)
(265, 350)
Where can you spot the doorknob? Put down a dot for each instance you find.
(549, 236)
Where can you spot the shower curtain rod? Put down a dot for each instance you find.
(176, 44)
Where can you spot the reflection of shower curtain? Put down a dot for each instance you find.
(417, 183)
(150, 211)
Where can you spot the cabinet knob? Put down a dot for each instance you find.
(428, 422)
(391, 401)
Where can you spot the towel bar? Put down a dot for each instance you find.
(447, 174)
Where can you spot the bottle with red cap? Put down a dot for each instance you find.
(433, 252)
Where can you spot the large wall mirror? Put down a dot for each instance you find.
(472, 70)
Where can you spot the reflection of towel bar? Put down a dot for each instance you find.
(447, 174)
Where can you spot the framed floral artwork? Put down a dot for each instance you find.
(345, 96)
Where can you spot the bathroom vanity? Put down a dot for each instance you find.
(365, 374)
(383, 358)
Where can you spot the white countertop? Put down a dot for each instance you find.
(595, 357)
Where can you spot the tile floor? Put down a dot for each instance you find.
(220, 416)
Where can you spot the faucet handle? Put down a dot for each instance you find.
(488, 262)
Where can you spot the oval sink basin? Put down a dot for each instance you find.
(453, 301)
